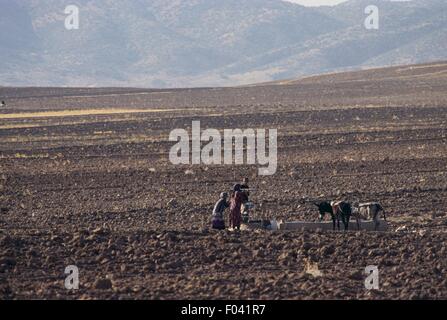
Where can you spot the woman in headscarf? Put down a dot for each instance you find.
(219, 208)
(235, 207)
(245, 206)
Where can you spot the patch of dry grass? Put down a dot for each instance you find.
(26, 156)
(77, 113)
(312, 268)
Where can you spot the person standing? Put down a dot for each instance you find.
(218, 212)
(245, 206)
(245, 189)
(235, 207)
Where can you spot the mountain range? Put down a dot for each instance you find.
(204, 43)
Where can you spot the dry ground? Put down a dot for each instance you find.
(95, 188)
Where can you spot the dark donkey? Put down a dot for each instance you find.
(325, 207)
(343, 210)
(336, 210)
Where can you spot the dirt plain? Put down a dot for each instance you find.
(97, 190)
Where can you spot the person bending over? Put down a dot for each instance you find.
(218, 212)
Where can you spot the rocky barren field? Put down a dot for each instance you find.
(86, 181)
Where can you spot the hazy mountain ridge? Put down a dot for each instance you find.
(209, 42)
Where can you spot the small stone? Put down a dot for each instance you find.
(306, 246)
(103, 284)
(356, 275)
(8, 262)
(328, 250)
(98, 231)
(257, 254)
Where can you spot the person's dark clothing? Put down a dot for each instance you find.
(218, 211)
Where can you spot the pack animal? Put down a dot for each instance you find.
(368, 211)
(342, 210)
(338, 210)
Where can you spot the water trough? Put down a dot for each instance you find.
(308, 225)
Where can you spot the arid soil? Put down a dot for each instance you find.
(97, 190)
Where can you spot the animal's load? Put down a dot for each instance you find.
(327, 225)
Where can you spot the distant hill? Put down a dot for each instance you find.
(160, 43)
